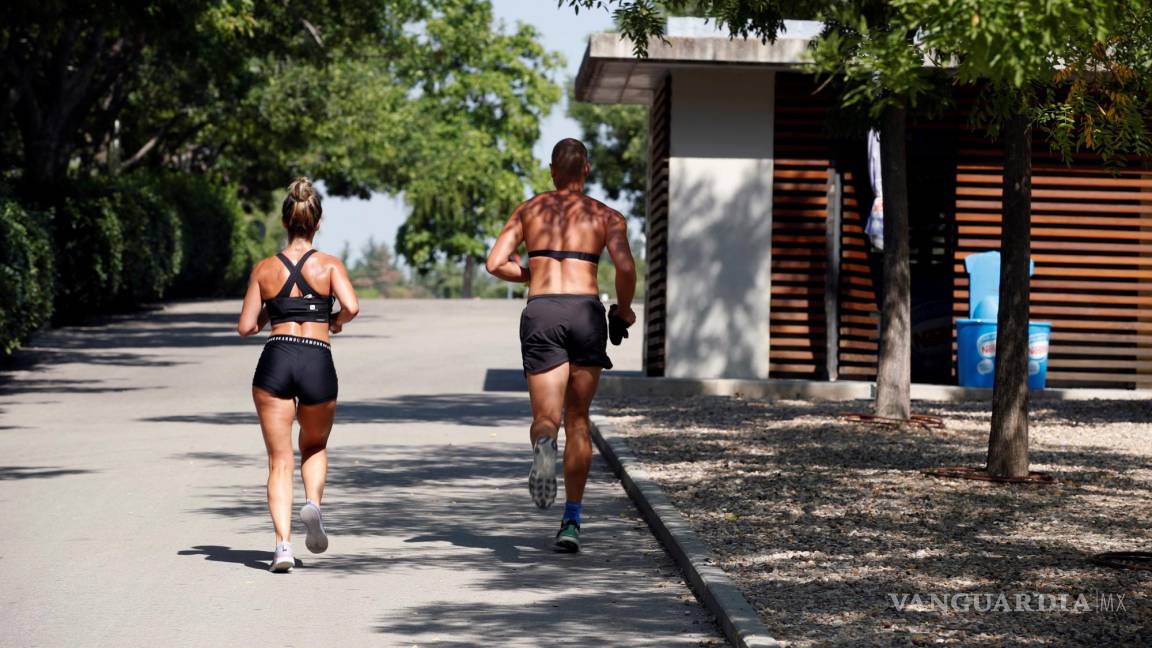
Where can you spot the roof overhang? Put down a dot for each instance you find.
(611, 74)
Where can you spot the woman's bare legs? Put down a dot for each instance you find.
(315, 426)
(276, 415)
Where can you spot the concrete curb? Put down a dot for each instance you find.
(737, 618)
(843, 390)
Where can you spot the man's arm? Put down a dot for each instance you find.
(502, 260)
(621, 254)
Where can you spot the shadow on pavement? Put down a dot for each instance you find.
(464, 508)
(261, 560)
(125, 340)
(505, 380)
(60, 387)
(459, 409)
(11, 473)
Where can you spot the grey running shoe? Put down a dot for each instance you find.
(317, 540)
(568, 537)
(542, 477)
(283, 560)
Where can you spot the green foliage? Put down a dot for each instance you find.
(152, 243)
(219, 244)
(482, 94)
(1078, 68)
(617, 141)
(445, 280)
(89, 252)
(26, 272)
(177, 83)
(376, 275)
(606, 277)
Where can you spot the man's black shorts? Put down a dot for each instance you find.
(555, 329)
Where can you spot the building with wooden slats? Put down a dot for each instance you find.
(758, 262)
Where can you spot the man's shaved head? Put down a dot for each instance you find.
(569, 158)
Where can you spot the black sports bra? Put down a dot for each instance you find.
(564, 254)
(309, 307)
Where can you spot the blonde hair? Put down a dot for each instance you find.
(301, 211)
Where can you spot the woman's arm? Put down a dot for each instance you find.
(502, 260)
(349, 304)
(253, 315)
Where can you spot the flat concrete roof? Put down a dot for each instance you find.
(611, 74)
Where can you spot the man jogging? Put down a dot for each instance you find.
(563, 330)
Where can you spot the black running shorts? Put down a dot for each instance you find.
(555, 329)
(297, 367)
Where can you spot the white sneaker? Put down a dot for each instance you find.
(283, 560)
(542, 477)
(317, 539)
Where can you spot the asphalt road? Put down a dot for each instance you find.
(132, 497)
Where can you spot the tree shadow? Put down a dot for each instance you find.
(821, 520)
(12, 473)
(60, 386)
(126, 340)
(484, 410)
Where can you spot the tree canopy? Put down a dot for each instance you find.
(482, 93)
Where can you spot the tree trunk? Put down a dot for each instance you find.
(469, 273)
(894, 367)
(1008, 443)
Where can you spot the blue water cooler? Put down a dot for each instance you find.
(976, 337)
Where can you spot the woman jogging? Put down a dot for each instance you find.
(295, 378)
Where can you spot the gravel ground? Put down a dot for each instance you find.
(828, 525)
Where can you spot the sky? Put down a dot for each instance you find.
(354, 221)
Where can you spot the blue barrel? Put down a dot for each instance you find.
(976, 352)
(1039, 338)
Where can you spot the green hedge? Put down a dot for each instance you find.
(220, 246)
(26, 272)
(152, 244)
(118, 245)
(89, 252)
(126, 241)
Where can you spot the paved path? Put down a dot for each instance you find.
(132, 497)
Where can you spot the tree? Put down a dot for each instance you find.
(1076, 69)
(482, 94)
(161, 79)
(376, 271)
(617, 140)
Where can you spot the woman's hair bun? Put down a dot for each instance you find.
(301, 189)
(301, 211)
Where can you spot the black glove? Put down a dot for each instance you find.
(617, 327)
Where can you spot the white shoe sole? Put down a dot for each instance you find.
(542, 477)
(567, 545)
(317, 539)
(282, 566)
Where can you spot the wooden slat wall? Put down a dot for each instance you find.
(859, 316)
(1092, 246)
(799, 211)
(655, 308)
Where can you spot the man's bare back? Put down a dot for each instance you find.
(570, 222)
(564, 221)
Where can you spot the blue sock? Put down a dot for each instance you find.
(572, 511)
